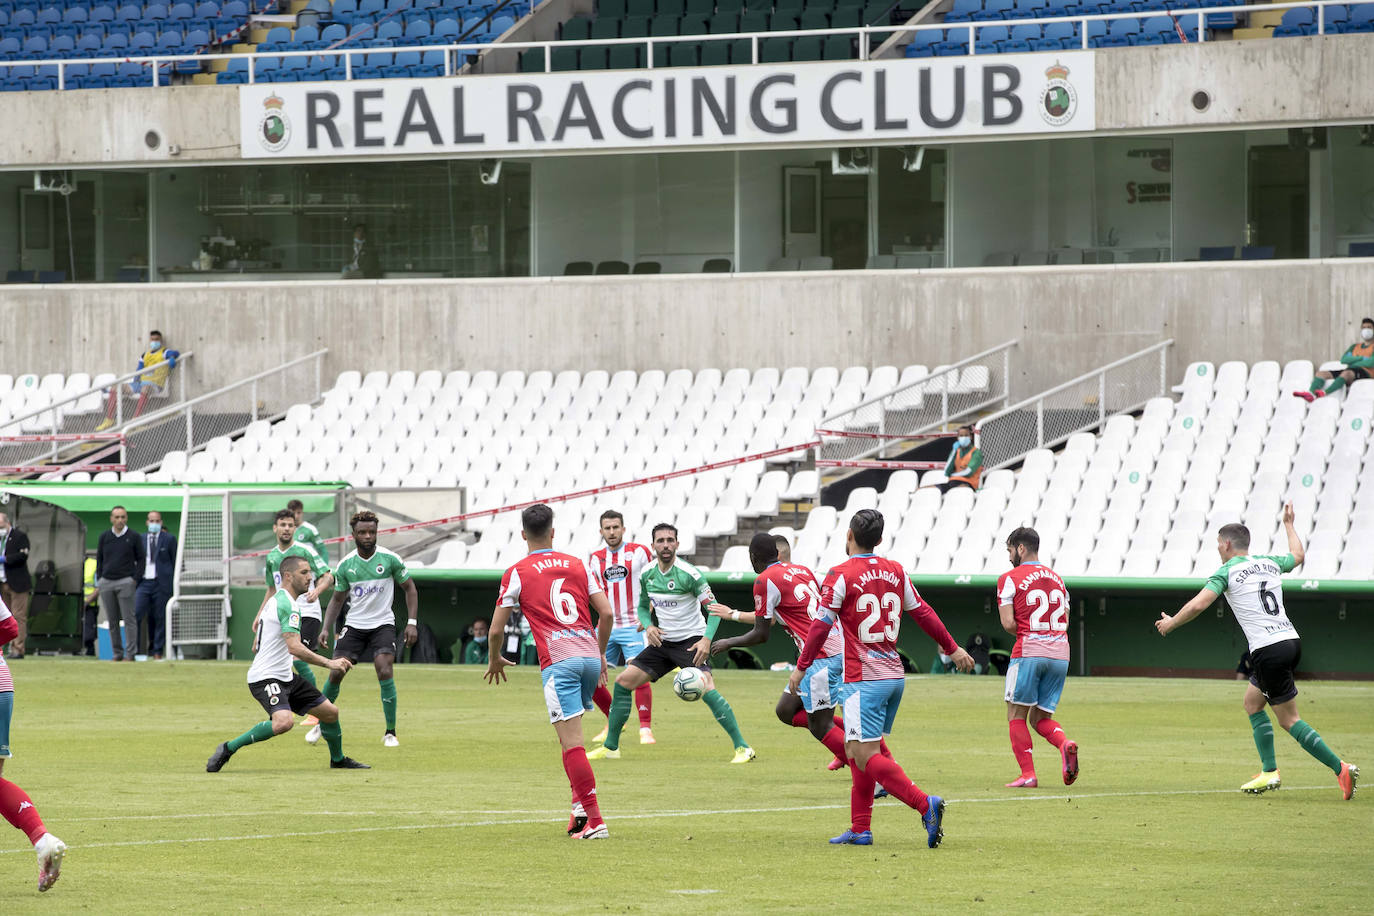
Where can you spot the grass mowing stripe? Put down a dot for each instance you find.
(713, 812)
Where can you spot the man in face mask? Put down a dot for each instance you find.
(476, 652)
(159, 363)
(1358, 362)
(965, 465)
(155, 583)
(15, 584)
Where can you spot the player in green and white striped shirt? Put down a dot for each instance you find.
(672, 594)
(306, 533)
(367, 579)
(1254, 590)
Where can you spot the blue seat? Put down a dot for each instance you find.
(89, 43)
(141, 41)
(76, 14)
(207, 9)
(923, 43)
(500, 25)
(333, 32)
(21, 276)
(989, 39)
(1157, 30)
(102, 70)
(180, 11)
(62, 46)
(235, 9)
(1124, 31)
(447, 30)
(35, 46)
(21, 17)
(1361, 19)
(276, 38)
(118, 41)
(102, 13)
(171, 43)
(367, 73)
(1097, 34)
(993, 9)
(344, 10)
(1217, 253)
(1257, 253)
(389, 31)
(48, 15)
(130, 70)
(1062, 35)
(1028, 9)
(964, 10)
(418, 31)
(156, 11)
(1361, 250)
(954, 45)
(129, 13)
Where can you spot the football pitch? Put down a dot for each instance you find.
(468, 815)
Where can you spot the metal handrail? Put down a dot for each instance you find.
(155, 61)
(1100, 373)
(100, 389)
(923, 381)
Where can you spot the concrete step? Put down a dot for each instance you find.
(204, 79)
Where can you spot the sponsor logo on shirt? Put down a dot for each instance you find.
(380, 569)
(294, 621)
(616, 573)
(363, 591)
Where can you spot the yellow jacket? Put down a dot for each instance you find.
(89, 592)
(157, 362)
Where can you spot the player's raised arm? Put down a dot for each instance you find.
(1294, 541)
(1199, 603)
(929, 621)
(763, 599)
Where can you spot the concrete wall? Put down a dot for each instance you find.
(1069, 320)
(1251, 83)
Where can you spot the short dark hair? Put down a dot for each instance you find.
(284, 513)
(537, 520)
(362, 226)
(363, 516)
(158, 333)
(611, 513)
(112, 508)
(867, 525)
(295, 505)
(1024, 537)
(763, 548)
(966, 426)
(1237, 534)
(662, 526)
(781, 541)
(1367, 321)
(291, 562)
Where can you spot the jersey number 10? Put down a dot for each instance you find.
(1054, 603)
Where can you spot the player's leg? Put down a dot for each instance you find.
(724, 715)
(1263, 731)
(306, 699)
(310, 636)
(1339, 382)
(823, 689)
(860, 780)
(1021, 749)
(568, 689)
(346, 645)
(274, 696)
(649, 665)
(1274, 667)
(1049, 688)
(383, 641)
(19, 810)
(1310, 741)
(1020, 696)
(631, 644)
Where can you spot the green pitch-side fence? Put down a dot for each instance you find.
(1110, 624)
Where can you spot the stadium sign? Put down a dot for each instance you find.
(845, 102)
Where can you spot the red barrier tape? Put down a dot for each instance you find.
(66, 437)
(849, 434)
(578, 494)
(882, 465)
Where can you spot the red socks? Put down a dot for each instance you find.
(1021, 745)
(602, 699)
(583, 782)
(801, 720)
(19, 811)
(860, 797)
(834, 742)
(1050, 730)
(889, 774)
(644, 701)
(883, 749)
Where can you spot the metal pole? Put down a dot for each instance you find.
(1006, 378)
(1101, 398)
(254, 396)
(1039, 422)
(319, 374)
(190, 432)
(1163, 370)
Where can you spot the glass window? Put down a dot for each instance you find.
(911, 207)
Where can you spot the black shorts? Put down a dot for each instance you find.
(1272, 670)
(310, 631)
(355, 645)
(295, 694)
(657, 661)
(1359, 372)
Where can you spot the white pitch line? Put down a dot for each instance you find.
(461, 825)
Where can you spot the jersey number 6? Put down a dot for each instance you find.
(564, 606)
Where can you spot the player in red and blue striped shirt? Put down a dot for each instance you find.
(557, 597)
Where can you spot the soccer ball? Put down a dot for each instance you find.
(690, 684)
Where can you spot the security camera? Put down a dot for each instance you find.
(489, 171)
(913, 157)
(851, 160)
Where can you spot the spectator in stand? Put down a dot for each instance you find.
(159, 362)
(965, 465)
(15, 583)
(476, 651)
(1358, 361)
(365, 264)
(119, 561)
(155, 586)
(90, 608)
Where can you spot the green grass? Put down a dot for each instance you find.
(468, 815)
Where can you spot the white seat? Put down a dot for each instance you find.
(736, 559)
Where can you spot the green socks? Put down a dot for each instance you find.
(1317, 384)
(1264, 740)
(620, 714)
(260, 732)
(1336, 384)
(725, 716)
(1312, 742)
(304, 671)
(331, 689)
(388, 702)
(333, 736)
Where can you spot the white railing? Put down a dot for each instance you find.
(226, 411)
(70, 416)
(919, 406)
(1079, 404)
(1185, 18)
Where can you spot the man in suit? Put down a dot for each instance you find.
(155, 584)
(15, 583)
(365, 263)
